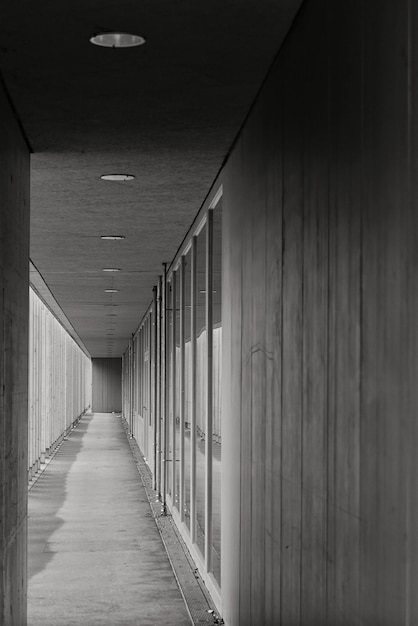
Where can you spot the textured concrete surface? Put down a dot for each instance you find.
(95, 554)
(14, 312)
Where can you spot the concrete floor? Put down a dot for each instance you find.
(95, 555)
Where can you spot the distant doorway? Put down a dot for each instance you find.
(107, 385)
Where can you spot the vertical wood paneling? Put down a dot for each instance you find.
(14, 326)
(321, 240)
(257, 361)
(231, 405)
(272, 139)
(411, 303)
(14, 232)
(315, 332)
(292, 350)
(345, 176)
(384, 332)
(291, 406)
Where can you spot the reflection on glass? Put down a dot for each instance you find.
(187, 389)
(146, 377)
(201, 364)
(216, 390)
(169, 464)
(177, 438)
(151, 352)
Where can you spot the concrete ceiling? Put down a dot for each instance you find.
(166, 112)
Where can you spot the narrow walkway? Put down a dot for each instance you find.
(95, 555)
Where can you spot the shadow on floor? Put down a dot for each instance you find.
(47, 496)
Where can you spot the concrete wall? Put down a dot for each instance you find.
(107, 385)
(320, 328)
(14, 312)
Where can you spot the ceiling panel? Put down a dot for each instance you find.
(166, 112)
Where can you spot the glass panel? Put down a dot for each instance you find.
(178, 392)
(151, 357)
(216, 390)
(187, 386)
(201, 364)
(135, 374)
(169, 463)
(146, 372)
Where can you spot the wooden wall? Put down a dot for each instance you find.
(320, 328)
(107, 385)
(14, 316)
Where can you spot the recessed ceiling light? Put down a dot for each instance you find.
(117, 177)
(111, 290)
(111, 269)
(112, 237)
(117, 40)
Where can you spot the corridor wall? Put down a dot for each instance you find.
(60, 381)
(14, 313)
(319, 336)
(320, 522)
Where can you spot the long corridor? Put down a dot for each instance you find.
(95, 554)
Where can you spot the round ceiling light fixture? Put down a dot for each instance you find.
(117, 177)
(117, 40)
(113, 237)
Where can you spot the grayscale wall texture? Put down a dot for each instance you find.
(14, 315)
